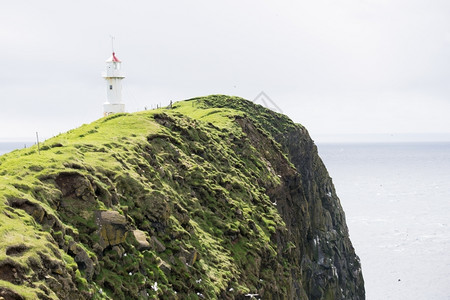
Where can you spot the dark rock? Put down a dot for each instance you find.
(7, 294)
(157, 245)
(82, 259)
(11, 271)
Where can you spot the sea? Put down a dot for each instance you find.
(6, 147)
(396, 198)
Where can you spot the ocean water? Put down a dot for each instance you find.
(397, 203)
(6, 147)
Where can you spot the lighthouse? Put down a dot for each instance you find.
(113, 76)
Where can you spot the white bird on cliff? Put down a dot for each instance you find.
(155, 286)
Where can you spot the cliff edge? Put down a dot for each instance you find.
(213, 198)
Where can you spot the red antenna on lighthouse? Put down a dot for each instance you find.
(114, 58)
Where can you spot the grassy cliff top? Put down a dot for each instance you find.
(176, 203)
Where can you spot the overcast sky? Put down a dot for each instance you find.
(342, 68)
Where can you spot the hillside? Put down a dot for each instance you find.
(214, 198)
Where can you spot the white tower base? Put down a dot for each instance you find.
(109, 108)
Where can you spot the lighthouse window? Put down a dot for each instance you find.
(110, 87)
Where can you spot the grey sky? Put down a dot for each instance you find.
(338, 67)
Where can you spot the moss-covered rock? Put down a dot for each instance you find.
(213, 198)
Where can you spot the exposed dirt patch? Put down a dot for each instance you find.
(71, 184)
(17, 250)
(33, 209)
(10, 271)
(7, 294)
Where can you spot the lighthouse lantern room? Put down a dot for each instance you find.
(113, 77)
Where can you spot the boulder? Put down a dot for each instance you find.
(157, 245)
(82, 259)
(112, 228)
(141, 238)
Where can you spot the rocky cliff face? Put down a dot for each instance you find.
(216, 198)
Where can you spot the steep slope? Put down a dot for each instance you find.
(213, 198)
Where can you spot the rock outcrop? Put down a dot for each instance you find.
(112, 228)
(214, 198)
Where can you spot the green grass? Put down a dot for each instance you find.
(222, 118)
(188, 176)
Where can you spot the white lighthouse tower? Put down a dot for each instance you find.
(113, 76)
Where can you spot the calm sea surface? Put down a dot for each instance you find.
(6, 147)
(397, 203)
